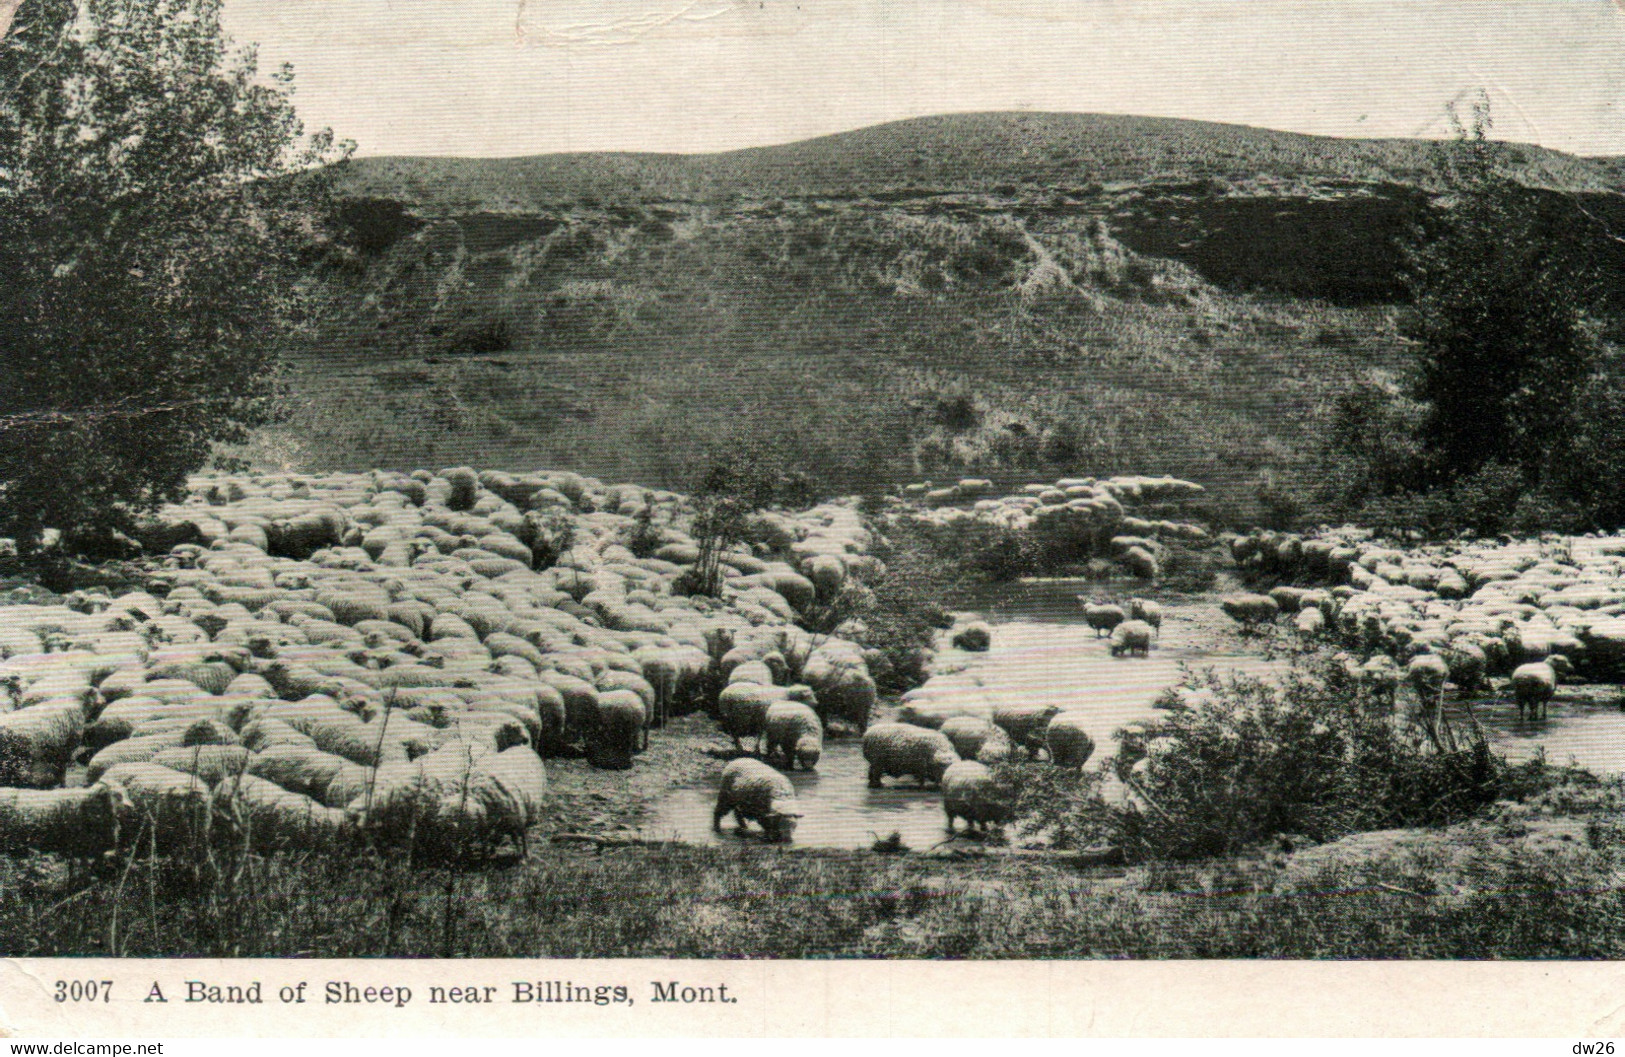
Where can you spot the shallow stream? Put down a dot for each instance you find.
(1042, 650)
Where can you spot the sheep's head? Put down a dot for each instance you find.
(780, 824)
(1560, 665)
(808, 749)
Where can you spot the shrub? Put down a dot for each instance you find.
(1189, 569)
(1256, 760)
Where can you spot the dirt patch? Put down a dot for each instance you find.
(587, 799)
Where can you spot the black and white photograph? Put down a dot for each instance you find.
(844, 481)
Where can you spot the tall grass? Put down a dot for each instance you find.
(676, 901)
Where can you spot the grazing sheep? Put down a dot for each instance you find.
(1427, 674)
(1131, 637)
(618, 734)
(172, 806)
(742, 710)
(270, 817)
(752, 672)
(969, 792)
(513, 784)
(899, 750)
(1141, 562)
(1378, 679)
(827, 573)
(71, 822)
(36, 742)
(1468, 664)
(131, 750)
(337, 731)
(262, 733)
(793, 729)
(755, 792)
(975, 638)
(580, 699)
(663, 669)
(1067, 738)
(1535, 684)
(1103, 617)
(301, 768)
(1148, 611)
(1250, 610)
(968, 734)
(210, 763)
(851, 698)
(1025, 724)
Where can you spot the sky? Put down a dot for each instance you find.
(510, 77)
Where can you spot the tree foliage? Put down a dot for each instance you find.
(1504, 313)
(151, 236)
(1508, 422)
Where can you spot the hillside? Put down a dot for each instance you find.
(982, 152)
(990, 294)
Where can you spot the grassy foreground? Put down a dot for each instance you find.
(1525, 885)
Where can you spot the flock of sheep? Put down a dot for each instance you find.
(393, 656)
(1088, 515)
(948, 747)
(1466, 614)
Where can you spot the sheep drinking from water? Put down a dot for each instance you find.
(755, 792)
(1131, 637)
(792, 729)
(969, 792)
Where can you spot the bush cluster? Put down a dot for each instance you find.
(1253, 761)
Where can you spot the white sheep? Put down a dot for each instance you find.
(742, 710)
(1535, 684)
(72, 822)
(1378, 679)
(1131, 637)
(793, 730)
(899, 750)
(268, 816)
(755, 792)
(969, 735)
(209, 763)
(1103, 617)
(1250, 610)
(1427, 674)
(969, 792)
(300, 768)
(1068, 741)
(1148, 611)
(1024, 723)
(172, 806)
(975, 637)
(1141, 562)
(36, 742)
(622, 719)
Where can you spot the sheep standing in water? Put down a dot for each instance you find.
(755, 792)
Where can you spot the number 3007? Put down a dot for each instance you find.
(84, 990)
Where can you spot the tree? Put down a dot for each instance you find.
(1504, 317)
(728, 493)
(158, 203)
